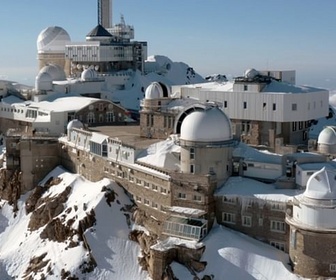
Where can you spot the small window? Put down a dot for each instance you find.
(245, 105)
(197, 198)
(300, 125)
(332, 267)
(229, 218)
(182, 195)
(192, 153)
(294, 126)
(278, 245)
(192, 168)
(225, 104)
(264, 105)
(245, 87)
(278, 226)
(246, 221)
(294, 107)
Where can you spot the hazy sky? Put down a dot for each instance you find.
(212, 36)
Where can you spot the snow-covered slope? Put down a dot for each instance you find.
(56, 248)
(177, 73)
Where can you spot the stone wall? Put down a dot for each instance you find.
(261, 214)
(313, 254)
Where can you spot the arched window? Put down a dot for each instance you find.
(110, 116)
(90, 117)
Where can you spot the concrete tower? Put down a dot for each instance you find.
(105, 13)
(312, 224)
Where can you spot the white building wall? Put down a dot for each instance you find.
(315, 217)
(259, 105)
(269, 171)
(302, 176)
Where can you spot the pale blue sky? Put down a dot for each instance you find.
(213, 36)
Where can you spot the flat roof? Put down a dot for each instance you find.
(127, 134)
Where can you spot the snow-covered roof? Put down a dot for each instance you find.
(245, 187)
(317, 165)
(98, 138)
(322, 185)
(251, 154)
(208, 125)
(282, 87)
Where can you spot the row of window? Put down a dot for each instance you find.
(275, 226)
(274, 206)
(11, 110)
(301, 125)
(194, 197)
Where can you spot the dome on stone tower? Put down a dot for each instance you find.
(327, 136)
(322, 185)
(52, 39)
(75, 124)
(157, 90)
(206, 125)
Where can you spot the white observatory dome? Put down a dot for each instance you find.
(251, 73)
(209, 125)
(52, 39)
(322, 185)
(43, 81)
(154, 91)
(75, 124)
(55, 71)
(327, 136)
(88, 74)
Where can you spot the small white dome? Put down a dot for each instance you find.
(251, 73)
(322, 185)
(52, 39)
(154, 91)
(209, 125)
(327, 136)
(75, 124)
(43, 81)
(88, 74)
(55, 71)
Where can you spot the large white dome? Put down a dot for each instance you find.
(208, 125)
(75, 124)
(88, 74)
(52, 39)
(327, 136)
(322, 185)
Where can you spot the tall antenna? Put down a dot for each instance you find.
(105, 13)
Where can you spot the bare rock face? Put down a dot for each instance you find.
(10, 186)
(35, 264)
(47, 208)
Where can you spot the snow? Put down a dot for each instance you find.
(162, 154)
(186, 211)
(171, 242)
(232, 255)
(240, 186)
(114, 253)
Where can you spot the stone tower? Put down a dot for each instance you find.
(312, 222)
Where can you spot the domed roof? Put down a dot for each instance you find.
(154, 91)
(75, 124)
(208, 125)
(88, 74)
(43, 77)
(322, 185)
(327, 136)
(55, 71)
(251, 73)
(52, 39)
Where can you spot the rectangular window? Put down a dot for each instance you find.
(146, 201)
(163, 190)
(138, 181)
(294, 107)
(294, 126)
(246, 127)
(264, 105)
(225, 104)
(245, 88)
(154, 205)
(230, 200)
(192, 153)
(229, 218)
(245, 105)
(278, 226)
(332, 267)
(138, 198)
(274, 106)
(278, 245)
(197, 198)
(246, 221)
(278, 207)
(182, 195)
(154, 187)
(192, 168)
(146, 184)
(300, 125)
(261, 222)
